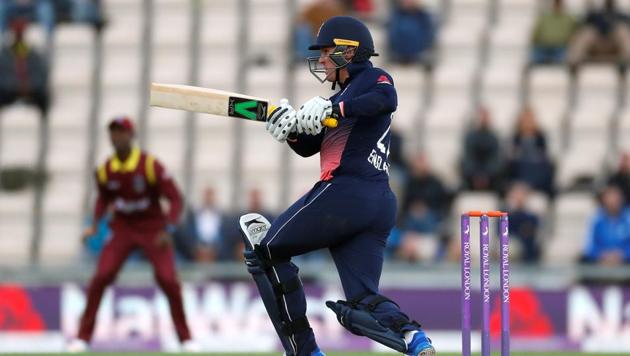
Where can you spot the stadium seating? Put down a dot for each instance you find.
(444, 119)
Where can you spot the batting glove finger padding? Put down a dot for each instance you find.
(281, 121)
(311, 115)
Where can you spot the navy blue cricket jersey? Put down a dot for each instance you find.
(359, 146)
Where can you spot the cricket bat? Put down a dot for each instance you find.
(215, 102)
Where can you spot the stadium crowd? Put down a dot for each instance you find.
(512, 169)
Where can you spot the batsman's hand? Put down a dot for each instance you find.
(312, 114)
(281, 121)
(87, 233)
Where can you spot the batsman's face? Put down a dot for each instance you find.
(120, 138)
(329, 65)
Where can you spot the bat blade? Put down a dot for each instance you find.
(215, 102)
(209, 101)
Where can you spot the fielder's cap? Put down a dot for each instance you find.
(121, 122)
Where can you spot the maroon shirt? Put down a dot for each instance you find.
(133, 189)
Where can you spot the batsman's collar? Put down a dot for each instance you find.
(355, 68)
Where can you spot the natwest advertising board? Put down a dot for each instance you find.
(223, 314)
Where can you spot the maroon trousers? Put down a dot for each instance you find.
(111, 260)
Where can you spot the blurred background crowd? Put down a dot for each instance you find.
(512, 105)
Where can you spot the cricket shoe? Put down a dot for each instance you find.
(317, 352)
(420, 345)
(191, 346)
(77, 346)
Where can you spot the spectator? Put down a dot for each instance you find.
(523, 223)
(609, 235)
(185, 237)
(232, 246)
(256, 204)
(411, 33)
(426, 204)
(551, 35)
(393, 244)
(208, 228)
(80, 11)
(23, 71)
(398, 174)
(41, 11)
(529, 161)
(419, 229)
(481, 158)
(621, 178)
(396, 148)
(309, 22)
(603, 31)
(426, 188)
(360, 8)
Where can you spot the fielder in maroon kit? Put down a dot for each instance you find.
(132, 182)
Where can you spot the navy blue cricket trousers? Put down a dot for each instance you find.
(349, 216)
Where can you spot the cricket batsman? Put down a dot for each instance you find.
(350, 210)
(132, 182)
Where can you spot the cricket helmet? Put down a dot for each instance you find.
(340, 31)
(343, 33)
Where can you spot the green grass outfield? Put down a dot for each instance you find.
(331, 354)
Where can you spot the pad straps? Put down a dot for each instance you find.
(282, 288)
(287, 287)
(296, 326)
(371, 301)
(376, 299)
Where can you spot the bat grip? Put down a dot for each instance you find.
(330, 122)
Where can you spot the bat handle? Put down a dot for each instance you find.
(330, 122)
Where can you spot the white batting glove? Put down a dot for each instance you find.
(281, 121)
(311, 115)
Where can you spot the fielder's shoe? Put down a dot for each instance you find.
(190, 346)
(420, 345)
(77, 346)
